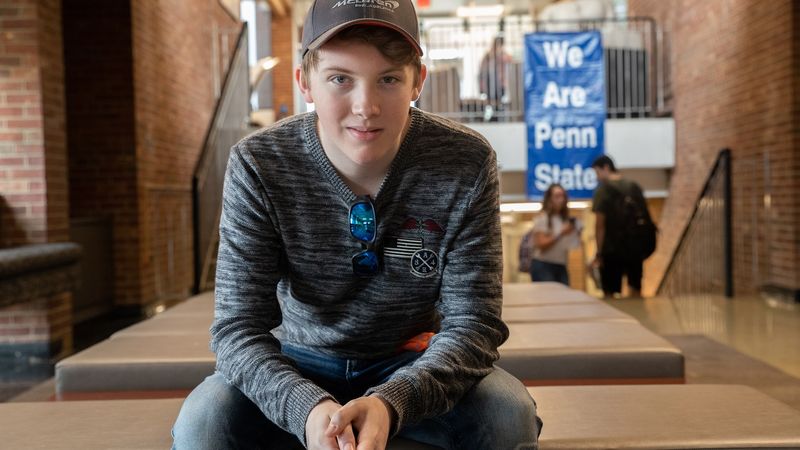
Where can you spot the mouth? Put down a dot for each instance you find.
(364, 133)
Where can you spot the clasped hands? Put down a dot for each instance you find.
(331, 426)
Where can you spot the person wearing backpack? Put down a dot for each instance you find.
(624, 230)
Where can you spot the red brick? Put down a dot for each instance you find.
(24, 123)
(11, 137)
(721, 100)
(9, 112)
(6, 162)
(22, 98)
(14, 331)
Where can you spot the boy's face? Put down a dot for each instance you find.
(361, 100)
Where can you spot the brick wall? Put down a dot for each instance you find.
(733, 79)
(32, 143)
(46, 321)
(102, 154)
(53, 119)
(283, 73)
(174, 99)
(33, 158)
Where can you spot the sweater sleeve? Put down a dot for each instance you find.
(465, 348)
(247, 308)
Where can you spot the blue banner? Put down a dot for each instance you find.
(565, 111)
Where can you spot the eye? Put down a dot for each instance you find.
(339, 79)
(389, 79)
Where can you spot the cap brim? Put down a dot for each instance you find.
(326, 36)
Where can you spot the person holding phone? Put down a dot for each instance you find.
(554, 235)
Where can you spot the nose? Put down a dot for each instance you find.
(366, 102)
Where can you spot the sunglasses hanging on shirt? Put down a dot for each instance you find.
(364, 226)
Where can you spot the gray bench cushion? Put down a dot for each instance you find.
(566, 312)
(163, 325)
(519, 294)
(536, 353)
(202, 305)
(88, 425)
(662, 416)
(137, 363)
(591, 351)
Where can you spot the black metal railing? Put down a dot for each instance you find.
(228, 125)
(703, 261)
(635, 64)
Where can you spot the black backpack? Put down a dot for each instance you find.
(636, 231)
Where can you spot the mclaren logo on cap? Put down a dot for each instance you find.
(389, 5)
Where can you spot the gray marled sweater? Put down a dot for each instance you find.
(285, 259)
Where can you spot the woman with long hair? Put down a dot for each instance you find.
(554, 234)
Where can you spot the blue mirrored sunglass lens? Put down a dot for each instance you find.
(365, 263)
(362, 221)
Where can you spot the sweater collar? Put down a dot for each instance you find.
(318, 154)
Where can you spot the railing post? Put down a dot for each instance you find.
(728, 225)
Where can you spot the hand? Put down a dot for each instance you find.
(370, 416)
(567, 229)
(317, 425)
(597, 261)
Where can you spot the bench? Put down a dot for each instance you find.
(156, 366)
(517, 294)
(177, 324)
(537, 353)
(575, 417)
(199, 305)
(589, 352)
(568, 312)
(690, 416)
(88, 425)
(170, 325)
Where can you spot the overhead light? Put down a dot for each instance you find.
(521, 207)
(537, 206)
(480, 11)
(261, 67)
(577, 205)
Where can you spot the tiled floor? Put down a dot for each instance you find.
(768, 331)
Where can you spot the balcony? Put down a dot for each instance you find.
(640, 132)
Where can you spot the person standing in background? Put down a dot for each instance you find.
(624, 231)
(493, 73)
(554, 235)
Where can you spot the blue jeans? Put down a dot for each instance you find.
(545, 271)
(497, 413)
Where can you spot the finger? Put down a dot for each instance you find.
(346, 439)
(327, 443)
(341, 419)
(369, 438)
(370, 444)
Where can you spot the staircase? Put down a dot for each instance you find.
(228, 125)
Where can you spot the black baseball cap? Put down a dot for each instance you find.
(325, 18)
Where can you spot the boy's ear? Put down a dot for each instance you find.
(423, 73)
(302, 84)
